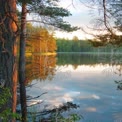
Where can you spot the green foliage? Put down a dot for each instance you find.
(64, 45)
(60, 118)
(65, 26)
(4, 96)
(54, 11)
(51, 13)
(25, 1)
(6, 113)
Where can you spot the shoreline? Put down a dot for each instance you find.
(89, 53)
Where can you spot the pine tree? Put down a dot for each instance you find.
(8, 49)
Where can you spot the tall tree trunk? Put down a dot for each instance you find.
(22, 63)
(8, 34)
(14, 52)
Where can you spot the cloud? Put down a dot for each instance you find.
(67, 98)
(34, 102)
(91, 109)
(60, 99)
(93, 96)
(49, 87)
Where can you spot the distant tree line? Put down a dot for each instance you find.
(67, 45)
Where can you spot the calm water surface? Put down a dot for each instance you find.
(93, 82)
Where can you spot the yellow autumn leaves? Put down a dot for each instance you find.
(39, 40)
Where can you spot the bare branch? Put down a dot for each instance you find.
(37, 96)
(105, 17)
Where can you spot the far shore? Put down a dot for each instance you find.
(88, 53)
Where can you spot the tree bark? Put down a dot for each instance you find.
(8, 36)
(22, 63)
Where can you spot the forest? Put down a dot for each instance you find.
(67, 45)
(39, 40)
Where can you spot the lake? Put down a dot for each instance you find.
(91, 81)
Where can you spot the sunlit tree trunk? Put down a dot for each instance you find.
(8, 34)
(22, 63)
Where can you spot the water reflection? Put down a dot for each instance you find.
(40, 67)
(86, 80)
(88, 59)
(55, 114)
(118, 72)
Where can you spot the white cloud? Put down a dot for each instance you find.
(67, 98)
(93, 96)
(49, 87)
(91, 109)
(60, 99)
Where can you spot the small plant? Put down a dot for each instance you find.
(61, 118)
(6, 113)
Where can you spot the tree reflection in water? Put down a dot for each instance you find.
(56, 114)
(119, 84)
(40, 67)
(116, 63)
(118, 72)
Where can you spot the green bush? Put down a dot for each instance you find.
(6, 114)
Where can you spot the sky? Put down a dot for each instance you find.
(81, 16)
(84, 13)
